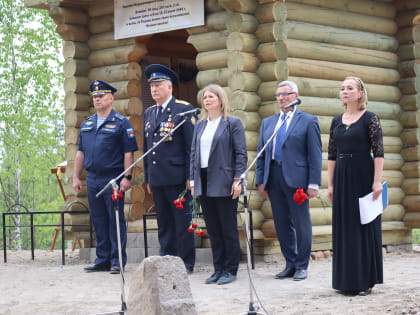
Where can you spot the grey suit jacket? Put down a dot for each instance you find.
(227, 159)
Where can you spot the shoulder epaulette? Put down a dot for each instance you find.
(149, 109)
(182, 102)
(119, 116)
(88, 121)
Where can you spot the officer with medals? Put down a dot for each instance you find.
(167, 167)
(105, 150)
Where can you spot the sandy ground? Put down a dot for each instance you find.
(44, 286)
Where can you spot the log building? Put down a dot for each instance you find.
(248, 46)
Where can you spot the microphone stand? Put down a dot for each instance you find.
(242, 180)
(113, 183)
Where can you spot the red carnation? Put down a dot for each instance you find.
(190, 229)
(194, 225)
(197, 232)
(201, 233)
(183, 200)
(300, 196)
(120, 194)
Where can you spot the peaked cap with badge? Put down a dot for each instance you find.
(100, 87)
(158, 72)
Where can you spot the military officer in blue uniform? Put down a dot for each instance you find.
(105, 150)
(167, 167)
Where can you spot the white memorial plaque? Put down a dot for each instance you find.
(136, 18)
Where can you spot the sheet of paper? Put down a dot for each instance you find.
(370, 209)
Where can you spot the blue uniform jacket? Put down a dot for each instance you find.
(169, 163)
(104, 148)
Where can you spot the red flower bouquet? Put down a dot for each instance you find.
(300, 196)
(179, 203)
(120, 194)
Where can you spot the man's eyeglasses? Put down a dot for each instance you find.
(284, 94)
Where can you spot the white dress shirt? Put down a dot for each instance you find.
(206, 140)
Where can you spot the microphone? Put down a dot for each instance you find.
(192, 111)
(294, 103)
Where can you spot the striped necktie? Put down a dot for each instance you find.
(280, 139)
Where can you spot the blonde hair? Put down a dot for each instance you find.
(221, 95)
(363, 100)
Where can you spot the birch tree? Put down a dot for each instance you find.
(31, 114)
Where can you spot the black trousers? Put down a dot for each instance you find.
(221, 222)
(173, 224)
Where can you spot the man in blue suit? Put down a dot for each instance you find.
(291, 161)
(167, 167)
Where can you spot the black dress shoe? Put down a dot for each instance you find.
(226, 278)
(97, 267)
(365, 292)
(213, 278)
(300, 274)
(115, 269)
(288, 272)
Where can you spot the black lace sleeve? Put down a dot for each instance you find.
(332, 147)
(375, 136)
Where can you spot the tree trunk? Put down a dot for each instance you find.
(242, 23)
(17, 237)
(75, 50)
(341, 19)
(340, 36)
(374, 8)
(337, 53)
(208, 41)
(101, 24)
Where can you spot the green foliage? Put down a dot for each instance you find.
(31, 113)
(416, 236)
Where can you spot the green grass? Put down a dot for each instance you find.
(416, 236)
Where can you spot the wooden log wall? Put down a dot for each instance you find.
(317, 44)
(408, 21)
(90, 53)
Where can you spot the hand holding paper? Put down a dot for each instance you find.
(370, 209)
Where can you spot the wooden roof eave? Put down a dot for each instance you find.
(47, 4)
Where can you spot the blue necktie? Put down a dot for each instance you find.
(280, 139)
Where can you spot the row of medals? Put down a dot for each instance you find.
(166, 128)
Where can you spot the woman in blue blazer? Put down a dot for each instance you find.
(218, 158)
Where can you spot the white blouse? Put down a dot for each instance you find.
(206, 141)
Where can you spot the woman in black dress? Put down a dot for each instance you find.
(353, 173)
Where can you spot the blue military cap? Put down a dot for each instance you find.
(157, 72)
(98, 87)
